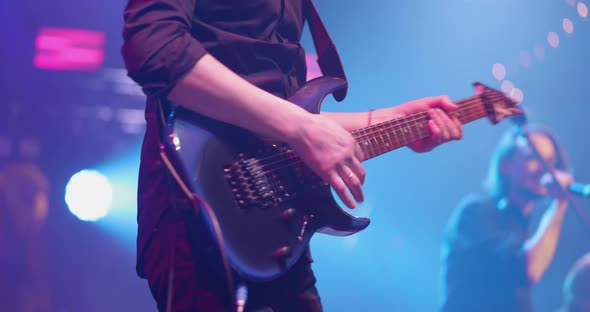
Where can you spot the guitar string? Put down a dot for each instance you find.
(394, 123)
(422, 116)
(299, 164)
(467, 105)
(368, 136)
(466, 111)
(465, 114)
(286, 157)
(290, 161)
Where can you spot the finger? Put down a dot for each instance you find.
(352, 181)
(340, 188)
(564, 178)
(444, 102)
(437, 117)
(451, 126)
(358, 152)
(458, 126)
(448, 125)
(434, 130)
(359, 170)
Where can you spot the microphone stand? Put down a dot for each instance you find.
(520, 122)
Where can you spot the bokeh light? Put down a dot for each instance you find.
(507, 86)
(525, 59)
(499, 71)
(89, 195)
(517, 95)
(539, 52)
(582, 9)
(553, 39)
(568, 25)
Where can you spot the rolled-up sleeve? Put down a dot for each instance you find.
(158, 46)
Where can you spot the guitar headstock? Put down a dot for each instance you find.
(497, 104)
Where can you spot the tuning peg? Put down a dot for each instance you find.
(479, 88)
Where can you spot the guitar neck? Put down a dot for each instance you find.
(390, 135)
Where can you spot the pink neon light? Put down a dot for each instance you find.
(69, 49)
(313, 69)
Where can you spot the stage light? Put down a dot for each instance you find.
(69, 49)
(89, 195)
(499, 71)
(582, 9)
(525, 59)
(539, 52)
(517, 95)
(507, 86)
(568, 25)
(553, 39)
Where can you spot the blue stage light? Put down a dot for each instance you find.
(89, 195)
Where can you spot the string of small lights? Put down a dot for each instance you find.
(499, 70)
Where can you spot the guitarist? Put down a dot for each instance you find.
(489, 261)
(237, 61)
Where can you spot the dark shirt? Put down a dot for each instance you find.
(163, 39)
(258, 39)
(484, 263)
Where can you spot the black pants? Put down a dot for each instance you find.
(197, 288)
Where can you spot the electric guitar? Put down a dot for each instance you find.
(266, 203)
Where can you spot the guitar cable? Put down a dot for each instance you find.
(240, 296)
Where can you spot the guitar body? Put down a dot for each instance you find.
(266, 203)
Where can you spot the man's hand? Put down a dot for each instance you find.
(556, 190)
(333, 154)
(443, 126)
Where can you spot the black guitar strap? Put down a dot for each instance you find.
(328, 58)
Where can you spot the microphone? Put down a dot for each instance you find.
(580, 189)
(576, 188)
(519, 120)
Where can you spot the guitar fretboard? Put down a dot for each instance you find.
(389, 135)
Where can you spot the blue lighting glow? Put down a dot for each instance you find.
(89, 195)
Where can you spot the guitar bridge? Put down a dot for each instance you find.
(254, 184)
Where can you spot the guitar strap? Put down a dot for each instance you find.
(328, 58)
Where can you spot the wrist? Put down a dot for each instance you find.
(290, 126)
(384, 114)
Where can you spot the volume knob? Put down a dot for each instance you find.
(288, 213)
(283, 252)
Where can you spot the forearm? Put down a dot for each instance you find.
(541, 247)
(211, 89)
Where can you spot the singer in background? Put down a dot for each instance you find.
(489, 260)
